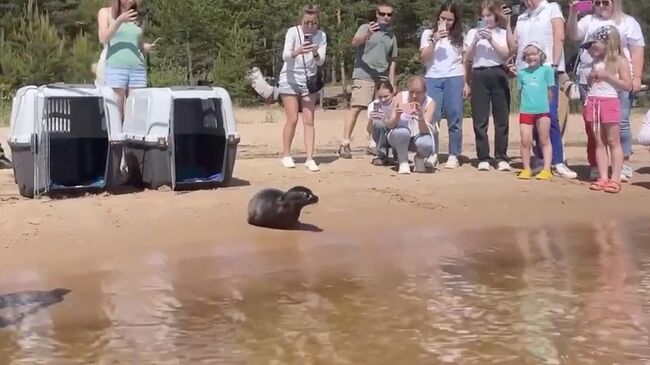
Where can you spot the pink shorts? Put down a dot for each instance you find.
(604, 110)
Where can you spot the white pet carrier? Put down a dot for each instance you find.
(184, 137)
(64, 138)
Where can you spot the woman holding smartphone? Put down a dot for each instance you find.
(304, 51)
(121, 33)
(487, 49)
(442, 52)
(609, 12)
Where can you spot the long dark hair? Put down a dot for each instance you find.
(456, 31)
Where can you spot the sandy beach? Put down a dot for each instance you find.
(356, 198)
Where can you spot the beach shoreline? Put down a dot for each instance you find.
(357, 200)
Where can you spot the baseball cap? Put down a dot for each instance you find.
(600, 34)
(536, 45)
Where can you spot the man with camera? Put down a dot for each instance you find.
(375, 61)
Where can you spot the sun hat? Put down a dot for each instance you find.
(539, 48)
(600, 34)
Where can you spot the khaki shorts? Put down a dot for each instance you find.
(363, 93)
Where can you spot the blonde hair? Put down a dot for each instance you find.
(493, 7)
(613, 50)
(617, 11)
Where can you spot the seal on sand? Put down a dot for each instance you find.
(273, 208)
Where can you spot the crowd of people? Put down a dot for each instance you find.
(477, 65)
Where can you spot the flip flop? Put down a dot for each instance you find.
(613, 187)
(598, 185)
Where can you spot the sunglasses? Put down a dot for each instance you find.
(602, 3)
(310, 22)
(381, 13)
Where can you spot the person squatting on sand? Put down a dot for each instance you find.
(409, 126)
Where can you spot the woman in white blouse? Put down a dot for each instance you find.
(610, 12)
(441, 49)
(304, 51)
(486, 47)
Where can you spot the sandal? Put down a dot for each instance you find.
(613, 187)
(598, 185)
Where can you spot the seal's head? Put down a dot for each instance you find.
(299, 196)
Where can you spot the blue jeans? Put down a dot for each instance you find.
(626, 108)
(556, 132)
(402, 142)
(447, 92)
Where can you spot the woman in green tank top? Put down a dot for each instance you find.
(122, 35)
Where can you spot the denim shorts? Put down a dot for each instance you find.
(125, 77)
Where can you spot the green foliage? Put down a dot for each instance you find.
(56, 40)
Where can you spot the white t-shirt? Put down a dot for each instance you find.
(298, 69)
(631, 36)
(537, 26)
(387, 109)
(447, 60)
(485, 55)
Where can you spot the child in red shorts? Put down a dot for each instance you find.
(535, 84)
(602, 110)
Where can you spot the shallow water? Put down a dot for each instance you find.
(562, 295)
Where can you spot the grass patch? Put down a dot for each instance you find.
(5, 113)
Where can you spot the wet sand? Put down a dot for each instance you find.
(355, 197)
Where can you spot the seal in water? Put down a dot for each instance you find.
(273, 208)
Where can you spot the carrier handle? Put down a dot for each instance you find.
(198, 87)
(62, 85)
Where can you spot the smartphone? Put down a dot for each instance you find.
(516, 9)
(308, 39)
(376, 106)
(156, 41)
(481, 24)
(442, 25)
(383, 27)
(584, 7)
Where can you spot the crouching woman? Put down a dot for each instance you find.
(410, 126)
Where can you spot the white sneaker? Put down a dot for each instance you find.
(627, 173)
(311, 165)
(594, 174)
(484, 166)
(420, 166)
(372, 143)
(124, 168)
(452, 162)
(504, 166)
(404, 168)
(259, 84)
(431, 162)
(287, 162)
(562, 170)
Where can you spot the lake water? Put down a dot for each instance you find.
(576, 294)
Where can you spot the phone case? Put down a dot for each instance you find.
(442, 26)
(584, 7)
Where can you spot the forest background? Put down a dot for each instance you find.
(45, 41)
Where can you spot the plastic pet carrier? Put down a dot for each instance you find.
(183, 137)
(65, 138)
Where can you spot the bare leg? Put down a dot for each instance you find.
(611, 135)
(350, 122)
(308, 111)
(290, 105)
(526, 144)
(544, 130)
(121, 98)
(601, 155)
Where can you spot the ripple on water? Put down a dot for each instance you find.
(564, 295)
